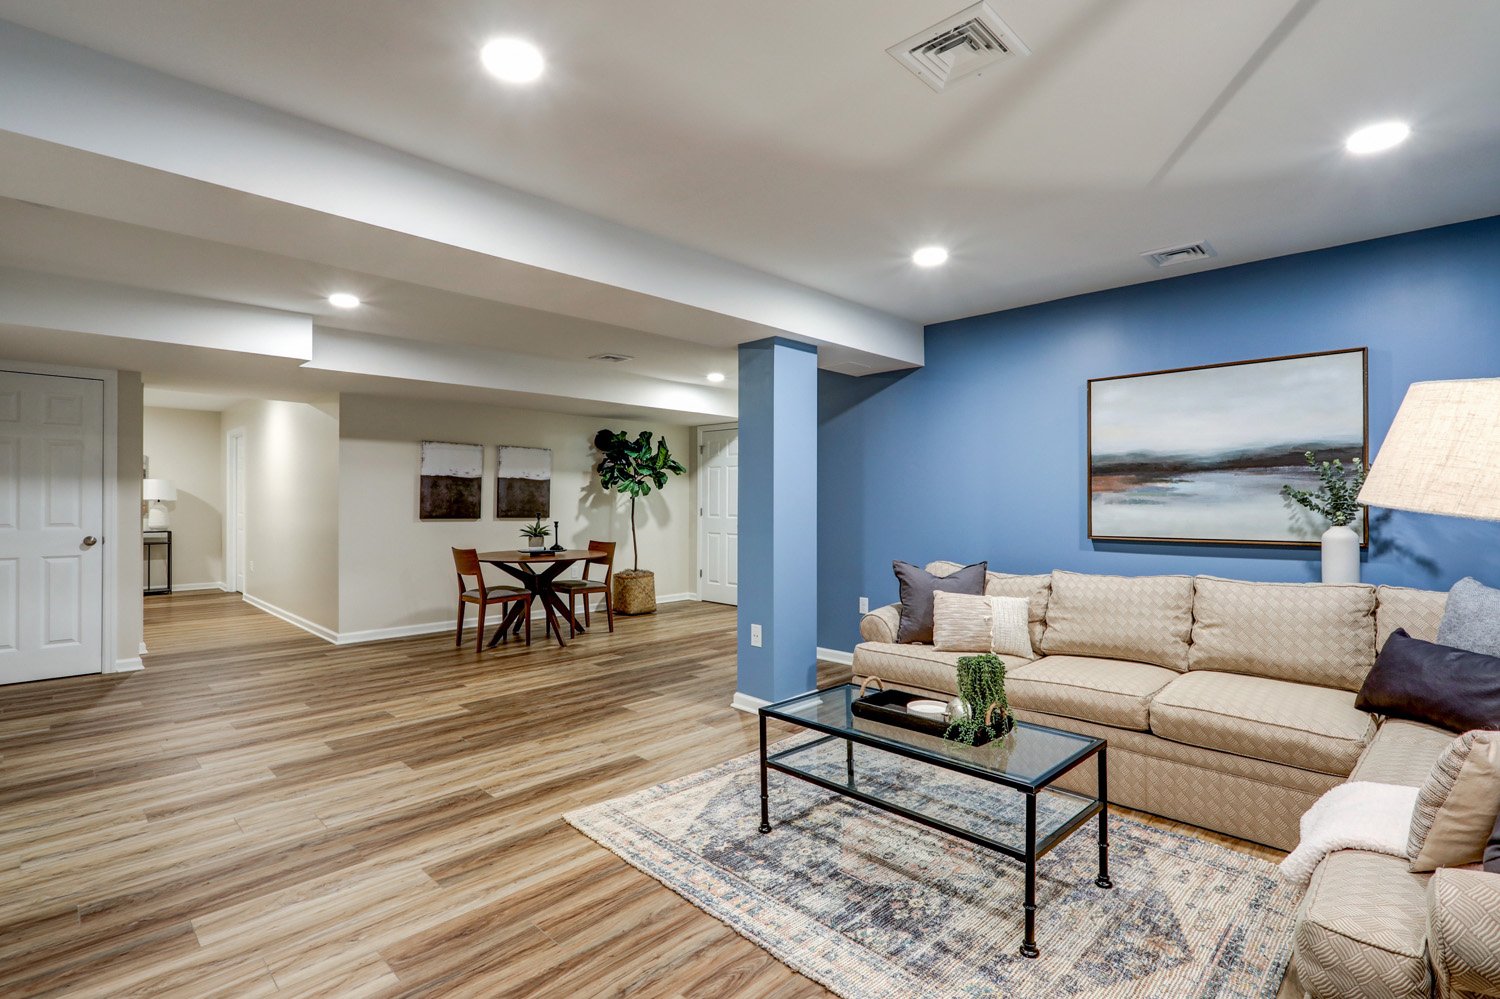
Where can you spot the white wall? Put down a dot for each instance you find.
(186, 446)
(291, 507)
(130, 605)
(396, 570)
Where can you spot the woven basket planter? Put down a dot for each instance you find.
(635, 591)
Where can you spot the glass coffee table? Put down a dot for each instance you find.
(1027, 761)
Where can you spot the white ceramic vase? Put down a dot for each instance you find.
(1340, 555)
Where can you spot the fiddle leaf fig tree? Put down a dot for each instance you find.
(634, 467)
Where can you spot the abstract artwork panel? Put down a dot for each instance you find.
(1201, 454)
(523, 482)
(452, 475)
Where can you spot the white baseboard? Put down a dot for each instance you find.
(326, 634)
(744, 702)
(836, 656)
(195, 587)
(128, 665)
(674, 598)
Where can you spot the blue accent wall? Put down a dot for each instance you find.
(981, 454)
(778, 522)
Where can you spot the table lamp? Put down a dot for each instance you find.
(1442, 454)
(156, 492)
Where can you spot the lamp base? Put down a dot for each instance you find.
(156, 517)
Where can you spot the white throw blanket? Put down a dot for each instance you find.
(1360, 815)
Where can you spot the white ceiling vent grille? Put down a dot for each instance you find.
(959, 47)
(611, 358)
(1186, 253)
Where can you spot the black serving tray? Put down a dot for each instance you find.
(889, 707)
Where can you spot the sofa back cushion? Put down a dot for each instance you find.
(1035, 588)
(1142, 618)
(1418, 612)
(1317, 633)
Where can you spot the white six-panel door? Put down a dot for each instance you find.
(51, 526)
(719, 516)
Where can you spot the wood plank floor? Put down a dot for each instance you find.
(261, 813)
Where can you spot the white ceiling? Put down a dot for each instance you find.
(779, 134)
(769, 168)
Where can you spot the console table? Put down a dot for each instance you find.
(150, 541)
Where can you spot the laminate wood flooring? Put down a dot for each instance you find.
(261, 813)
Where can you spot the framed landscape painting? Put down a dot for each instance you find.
(523, 482)
(451, 475)
(1200, 454)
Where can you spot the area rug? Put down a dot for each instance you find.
(874, 906)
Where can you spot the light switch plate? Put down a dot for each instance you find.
(755, 635)
(864, 605)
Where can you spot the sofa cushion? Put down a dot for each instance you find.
(1362, 929)
(1035, 588)
(1141, 618)
(1314, 728)
(1112, 692)
(1471, 618)
(1419, 612)
(1402, 752)
(919, 666)
(1317, 633)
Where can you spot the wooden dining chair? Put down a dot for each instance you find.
(466, 562)
(587, 586)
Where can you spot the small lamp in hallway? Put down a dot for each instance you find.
(155, 493)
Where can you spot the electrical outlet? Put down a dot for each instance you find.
(755, 636)
(252, 565)
(864, 605)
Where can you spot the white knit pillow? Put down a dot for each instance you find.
(1009, 632)
(963, 622)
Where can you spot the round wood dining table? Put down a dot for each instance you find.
(536, 571)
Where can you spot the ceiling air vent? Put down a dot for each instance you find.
(962, 46)
(611, 358)
(1187, 252)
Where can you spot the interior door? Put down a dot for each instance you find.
(719, 516)
(51, 526)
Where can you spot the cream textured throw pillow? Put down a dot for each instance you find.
(963, 622)
(1456, 807)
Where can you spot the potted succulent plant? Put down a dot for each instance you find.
(634, 467)
(536, 535)
(981, 704)
(1337, 499)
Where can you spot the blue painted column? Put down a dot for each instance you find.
(778, 540)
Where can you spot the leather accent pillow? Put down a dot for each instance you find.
(1471, 619)
(1425, 682)
(1142, 618)
(1456, 807)
(962, 622)
(1317, 633)
(917, 588)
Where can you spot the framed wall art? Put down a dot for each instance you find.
(523, 482)
(1200, 454)
(451, 476)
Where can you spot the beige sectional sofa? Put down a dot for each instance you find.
(1230, 705)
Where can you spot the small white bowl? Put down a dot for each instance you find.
(934, 709)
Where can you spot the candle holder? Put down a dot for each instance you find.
(557, 544)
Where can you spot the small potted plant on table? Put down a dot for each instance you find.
(1336, 498)
(981, 705)
(535, 535)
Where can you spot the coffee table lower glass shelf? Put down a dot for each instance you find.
(1009, 804)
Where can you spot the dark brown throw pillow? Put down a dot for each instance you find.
(917, 588)
(1425, 682)
(1492, 852)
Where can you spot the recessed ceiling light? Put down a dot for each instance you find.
(343, 300)
(930, 256)
(513, 60)
(1378, 137)
(716, 376)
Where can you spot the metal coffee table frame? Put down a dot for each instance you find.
(1033, 849)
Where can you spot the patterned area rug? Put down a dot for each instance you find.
(871, 905)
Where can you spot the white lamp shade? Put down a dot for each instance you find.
(1442, 454)
(153, 490)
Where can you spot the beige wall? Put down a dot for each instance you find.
(129, 609)
(396, 570)
(291, 506)
(186, 447)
